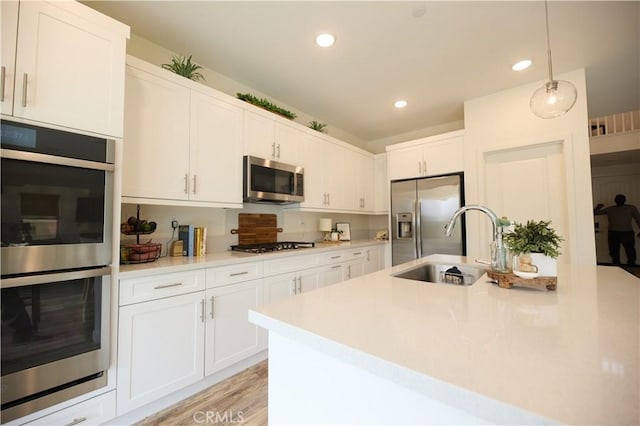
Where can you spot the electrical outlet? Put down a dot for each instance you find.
(174, 223)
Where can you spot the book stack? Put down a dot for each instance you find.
(194, 240)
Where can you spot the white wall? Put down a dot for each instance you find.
(504, 120)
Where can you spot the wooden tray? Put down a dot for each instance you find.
(254, 228)
(508, 280)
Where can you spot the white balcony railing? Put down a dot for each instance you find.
(623, 122)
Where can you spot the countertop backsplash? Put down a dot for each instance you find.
(296, 225)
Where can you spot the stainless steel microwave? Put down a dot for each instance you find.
(272, 181)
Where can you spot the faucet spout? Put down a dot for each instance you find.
(498, 255)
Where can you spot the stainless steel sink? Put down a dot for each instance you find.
(442, 273)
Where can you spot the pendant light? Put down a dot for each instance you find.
(555, 97)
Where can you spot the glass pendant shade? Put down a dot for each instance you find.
(553, 99)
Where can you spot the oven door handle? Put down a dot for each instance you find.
(49, 278)
(52, 159)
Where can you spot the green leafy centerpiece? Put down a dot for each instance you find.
(536, 245)
(265, 104)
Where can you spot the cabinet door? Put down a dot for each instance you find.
(156, 142)
(365, 183)
(353, 269)
(309, 279)
(331, 274)
(216, 150)
(288, 139)
(405, 163)
(230, 337)
(9, 12)
(279, 287)
(443, 157)
(381, 185)
(160, 348)
(259, 135)
(95, 411)
(72, 67)
(336, 176)
(372, 260)
(312, 158)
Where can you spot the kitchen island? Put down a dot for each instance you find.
(385, 350)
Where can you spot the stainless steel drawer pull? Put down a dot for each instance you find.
(299, 284)
(3, 75)
(357, 253)
(336, 267)
(158, 287)
(186, 183)
(202, 316)
(25, 81)
(273, 149)
(77, 421)
(336, 257)
(235, 274)
(213, 298)
(195, 177)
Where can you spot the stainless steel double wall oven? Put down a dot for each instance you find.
(57, 224)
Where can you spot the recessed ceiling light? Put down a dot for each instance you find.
(521, 65)
(325, 40)
(400, 104)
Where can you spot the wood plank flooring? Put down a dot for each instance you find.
(240, 399)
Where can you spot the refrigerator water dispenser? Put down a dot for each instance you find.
(405, 225)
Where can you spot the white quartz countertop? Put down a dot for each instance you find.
(184, 263)
(570, 356)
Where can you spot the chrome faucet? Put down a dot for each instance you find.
(498, 253)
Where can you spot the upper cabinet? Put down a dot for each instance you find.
(381, 184)
(434, 155)
(269, 136)
(183, 141)
(63, 63)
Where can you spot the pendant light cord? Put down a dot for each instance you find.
(546, 13)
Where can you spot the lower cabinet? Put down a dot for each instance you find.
(373, 259)
(94, 411)
(282, 286)
(353, 269)
(160, 348)
(229, 336)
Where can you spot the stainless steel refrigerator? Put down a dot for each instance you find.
(420, 210)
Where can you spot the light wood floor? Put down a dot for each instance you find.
(240, 399)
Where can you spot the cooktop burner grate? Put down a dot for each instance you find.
(269, 247)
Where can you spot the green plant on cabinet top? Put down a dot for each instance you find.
(183, 66)
(320, 127)
(265, 104)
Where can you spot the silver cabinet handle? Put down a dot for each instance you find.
(158, 287)
(202, 315)
(419, 167)
(336, 267)
(278, 150)
(424, 166)
(3, 75)
(368, 258)
(77, 421)
(195, 177)
(186, 183)
(348, 271)
(328, 198)
(212, 306)
(336, 257)
(25, 81)
(273, 149)
(235, 274)
(358, 253)
(299, 284)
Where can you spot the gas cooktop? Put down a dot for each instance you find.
(269, 247)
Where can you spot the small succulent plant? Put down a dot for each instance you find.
(320, 127)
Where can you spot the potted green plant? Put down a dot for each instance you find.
(536, 245)
(184, 67)
(265, 104)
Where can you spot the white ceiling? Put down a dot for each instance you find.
(455, 51)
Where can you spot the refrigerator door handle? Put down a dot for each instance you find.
(417, 234)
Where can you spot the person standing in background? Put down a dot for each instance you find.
(620, 219)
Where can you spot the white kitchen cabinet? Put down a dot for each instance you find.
(429, 156)
(331, 274)
(266, 136)
(180, 142)
(365, 183)
(160, 348)
(381, 184)
(69, 65)
(216, 150)
(372, 259)
(95, 411)
(353, 269)
(280, 287)
(288, 264)
(230, 337)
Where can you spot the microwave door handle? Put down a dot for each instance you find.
(48, 278)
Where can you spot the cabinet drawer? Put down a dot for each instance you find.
(355, 254)
(233, 274)
(289, 264)
(336, 256)
(137, 290)
(94, 411)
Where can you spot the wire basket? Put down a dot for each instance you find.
(139, 253)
